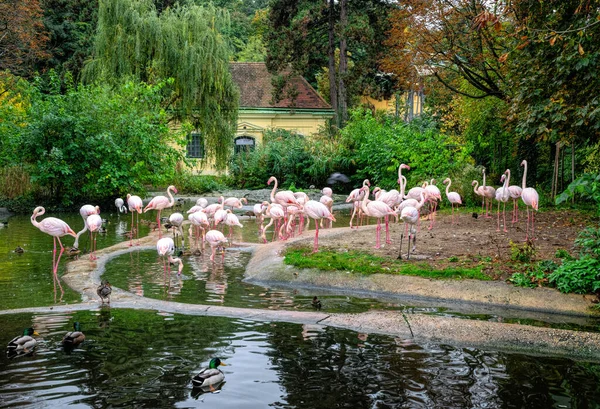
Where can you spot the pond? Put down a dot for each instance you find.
(136, 358)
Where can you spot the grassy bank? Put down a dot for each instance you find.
(366, 264)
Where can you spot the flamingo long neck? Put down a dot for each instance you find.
(483, 185)
(402, 186)
(35, 215)
(420, 204)
(524, 174)
(363, 204)
(274, 190)
(171, 199)
(475, 187)
(448, 186)
(507, 178)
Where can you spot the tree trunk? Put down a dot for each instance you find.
(573, 168)
(333, 92)
(343, 100)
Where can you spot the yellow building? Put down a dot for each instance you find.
(304, 114)
(408, 104)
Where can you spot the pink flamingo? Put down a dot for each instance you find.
(166, 248)
(453, 197)
(317, 211)
(176, 220)
(85, 211)
(434, 195)
(199, 220)
(202, 202)
(515, 193)
(478, 190)
(276, 213)
(327, 201)
(378, 210)
(356, 196)
(502, 195)
(232, 220)
(283, 197)
(159, 203)
(410, 215)
(57, 229)
(531, 199)
(235, 202)
(216, 239)
(135, 205)
(302, 199)
(488, 194)
(220, 216)
(93, 222)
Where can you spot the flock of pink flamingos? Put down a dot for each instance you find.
(288, 210)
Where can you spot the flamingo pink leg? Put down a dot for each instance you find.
(316, 243)
(387, 230)
(377, 242)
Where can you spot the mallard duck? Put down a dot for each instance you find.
(104, 290)
(208, 377)
(22, 344)
(73, 338)
(316, 303)
(19, 250)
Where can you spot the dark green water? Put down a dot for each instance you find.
(144, 359)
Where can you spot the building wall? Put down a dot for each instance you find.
(254, 122)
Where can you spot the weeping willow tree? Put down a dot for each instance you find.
(183, 43)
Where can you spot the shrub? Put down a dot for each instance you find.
(523, 253)
(579, 276)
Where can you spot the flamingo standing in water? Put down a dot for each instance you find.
(159, 203)
(453, 197)
(57, 229)
(232, 220)
(317, 211)
(94, 223)
(283, 197)
(378, 210)
(120, 205)
(327, 200)
(276, 213)
(235, 202)
(166, 248)
(176, 219)
(216, 239)
(135, 205)
(531, 199)
(85, 211)
(200, 222)
(410, 215)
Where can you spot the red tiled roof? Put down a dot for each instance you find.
(256, 90)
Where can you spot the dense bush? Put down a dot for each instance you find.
(92, 142)
(293, 159)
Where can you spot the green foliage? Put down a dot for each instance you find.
(292, 159)
(563, 254)
(377, 147)
(522, 252)
(587, 186)
(535, 277)
(198, 184)
(94, 142)
(367, 264)
(579, 276)
(589, 241)
(185, 43)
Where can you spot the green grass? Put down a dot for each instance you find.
(367, 264)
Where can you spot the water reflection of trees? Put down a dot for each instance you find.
(335, 368)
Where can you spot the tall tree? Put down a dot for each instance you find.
(22, 36)
(183, 43)
(306, 34)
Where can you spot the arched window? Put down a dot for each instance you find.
(195, 146)
(244, 144)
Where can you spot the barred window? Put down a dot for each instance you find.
(244, 144)
(195, 146)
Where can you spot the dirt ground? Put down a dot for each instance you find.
(472, 241)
